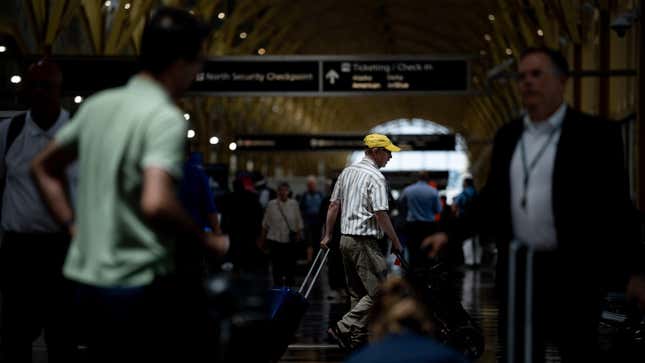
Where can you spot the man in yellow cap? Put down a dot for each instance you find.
(361, 194)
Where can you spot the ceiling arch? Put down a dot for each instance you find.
(286, 27)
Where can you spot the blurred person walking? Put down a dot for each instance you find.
(129, 142)
(421, 201)
(282, 229)
(537, 193)
(36, 296)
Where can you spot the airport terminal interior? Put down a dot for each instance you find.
(282, 104)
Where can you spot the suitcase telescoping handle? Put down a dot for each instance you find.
(514, 248)
(319, 267)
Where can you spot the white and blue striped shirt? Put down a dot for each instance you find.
(361, 190)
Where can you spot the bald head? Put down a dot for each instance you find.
(45, 69)
(43, 87)
(312, 183)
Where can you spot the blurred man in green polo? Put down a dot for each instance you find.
(129, 142)
(361, 197)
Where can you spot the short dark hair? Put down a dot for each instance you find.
(469, 182)
(170, 35)
(284, 185)
(558, 60)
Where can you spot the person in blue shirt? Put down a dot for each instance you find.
(310, 203)
(421, 202)
(400, 330)
(464, 200)
(196, 194)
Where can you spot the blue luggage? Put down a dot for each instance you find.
(287, 307)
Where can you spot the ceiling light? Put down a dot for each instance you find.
(262, 51)
(78, 99)
(491, 17)
(3, 49)
(487, 37)
(221, 15)
(127, 6)
(190, 134)
(540, 32)
(187, 116)
(509, 51)
(16, 79)
(232, 146)
(107, 4)
(214, 140)
(243, 35)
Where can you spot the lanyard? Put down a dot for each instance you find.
(528, 168)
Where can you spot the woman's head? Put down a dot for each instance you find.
(397, 309)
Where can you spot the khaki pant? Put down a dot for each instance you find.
(365, 269)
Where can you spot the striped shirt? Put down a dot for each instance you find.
(361, 190)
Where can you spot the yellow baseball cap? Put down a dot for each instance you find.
(378, 140)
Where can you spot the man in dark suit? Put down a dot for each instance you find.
(539, 192)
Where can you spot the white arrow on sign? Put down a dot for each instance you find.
(332, 76)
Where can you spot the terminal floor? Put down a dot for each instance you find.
(311, 344)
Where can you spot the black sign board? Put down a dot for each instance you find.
(365, 76)
(332, 142)
(282, 75)
(257, 76)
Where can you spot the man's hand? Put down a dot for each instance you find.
(218, 243)
(434, 243)
(396, 249)
(324, 242)
(636, 291)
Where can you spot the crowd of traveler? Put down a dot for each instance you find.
(100, 250)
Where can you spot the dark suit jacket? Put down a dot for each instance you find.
(596, 223)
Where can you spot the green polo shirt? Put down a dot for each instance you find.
(117, 134)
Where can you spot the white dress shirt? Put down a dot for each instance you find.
(23, 210)
(535, 224)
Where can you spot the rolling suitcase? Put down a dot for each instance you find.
(287, 307)
(519, 341)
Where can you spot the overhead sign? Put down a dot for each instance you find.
(332, 142)
(285, 75)
(395, 76)
(230, 77)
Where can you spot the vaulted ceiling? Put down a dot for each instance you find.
(490, 31)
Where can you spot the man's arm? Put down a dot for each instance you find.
(160, 206)
(383, 220)
(330, 222)
(48, 169)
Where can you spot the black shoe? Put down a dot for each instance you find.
(341, 339)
